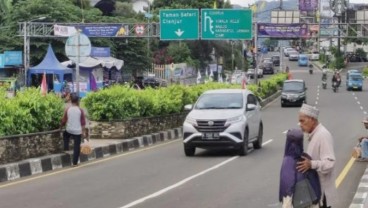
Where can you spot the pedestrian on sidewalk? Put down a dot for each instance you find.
(321, 150)
(363, 144)
(75, 121)
(289, 176)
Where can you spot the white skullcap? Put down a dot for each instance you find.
(309, 110)
(365, 120)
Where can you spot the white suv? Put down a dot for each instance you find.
(225, 118)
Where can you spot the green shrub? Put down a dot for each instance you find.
(365, 72)
(30, 112)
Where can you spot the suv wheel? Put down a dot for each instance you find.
(243, 149)
(189, 151)
(258, 144)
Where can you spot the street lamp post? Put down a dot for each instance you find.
(232, 55)
(26, 47)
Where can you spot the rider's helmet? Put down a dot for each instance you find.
(324, 71)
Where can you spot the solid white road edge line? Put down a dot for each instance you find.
(162, 191)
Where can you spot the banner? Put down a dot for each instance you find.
(64, 31)
(100, 52)
(308, 5)
(2, 60)
(111, 30)
(13, 58)
(105, 30)
(283, 30)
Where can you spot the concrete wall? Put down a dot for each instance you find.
(21, 147)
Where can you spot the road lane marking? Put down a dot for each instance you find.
(344, 172)
(361, 107)
(184, 181)
(285, 132)
(316, 102)
(365, 112)
(62, 170)
(356, 98)
(358, 102)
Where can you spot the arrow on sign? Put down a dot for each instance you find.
(179, 32)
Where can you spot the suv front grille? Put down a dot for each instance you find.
(204, 125)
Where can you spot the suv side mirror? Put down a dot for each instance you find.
(188, 107)
(251, 107)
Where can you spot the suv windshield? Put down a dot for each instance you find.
(293, 86)
(356, 77)
(220, 101)
(275, 57)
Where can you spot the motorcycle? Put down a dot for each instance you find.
(324, 84)
(310, 69)
(334, 86)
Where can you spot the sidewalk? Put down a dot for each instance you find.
(101, 148)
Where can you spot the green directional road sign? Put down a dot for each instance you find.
(226, 24)
(179, 24)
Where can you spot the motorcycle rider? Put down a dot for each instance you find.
(336, 78)
(324, 79)
(324, 75)
(310, 68)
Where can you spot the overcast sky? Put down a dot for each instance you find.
(247, 2)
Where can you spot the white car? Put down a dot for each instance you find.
(293, 56)
(287, 51)
(314, 56)
(250, 73)
(224, 118)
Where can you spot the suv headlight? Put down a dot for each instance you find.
(302, 94)
(191, 121)
(283, 95)
(234, 120)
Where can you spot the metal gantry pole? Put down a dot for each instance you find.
(256, 53)
(78, 61)
(25, 52)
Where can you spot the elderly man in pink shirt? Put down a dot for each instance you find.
(321, 150)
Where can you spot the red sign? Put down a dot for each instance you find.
(139, 29)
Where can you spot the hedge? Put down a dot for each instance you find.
(121, 102)
(30, 112)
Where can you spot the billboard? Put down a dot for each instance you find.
(308, 5)
(13, 58)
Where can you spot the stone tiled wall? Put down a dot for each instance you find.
(20, 147)
(134, 127)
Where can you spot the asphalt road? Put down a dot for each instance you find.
(162, 177)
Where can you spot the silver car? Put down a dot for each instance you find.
(225, 118)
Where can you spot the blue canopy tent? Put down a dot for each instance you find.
(51, 65)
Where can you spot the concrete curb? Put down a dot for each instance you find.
(13, 171)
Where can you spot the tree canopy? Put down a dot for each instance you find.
(134, 51)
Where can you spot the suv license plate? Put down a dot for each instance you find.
(211, 136)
